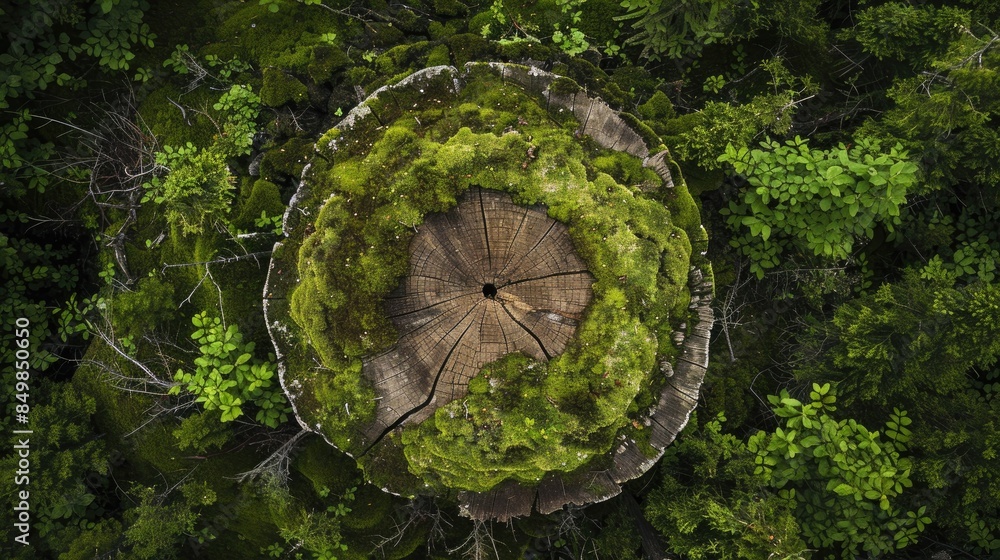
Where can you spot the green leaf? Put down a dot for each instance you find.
(810, 441)
(844, 489)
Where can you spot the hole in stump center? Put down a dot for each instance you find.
(490, 291)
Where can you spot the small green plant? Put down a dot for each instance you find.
(107, 273)
(227, 69)
(677, 29)
(72, 318)
(844, 478)
(198, 187)
(815, 201)
(178, 59)
(227, 376)
(272, 222)
(714, 84)
(571, 41)
(240, 106)
(142, 74)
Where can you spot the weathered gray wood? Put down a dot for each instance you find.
(557, 491)
(658, 163)
(630, 461)
(503, 503)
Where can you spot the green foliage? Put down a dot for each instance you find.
(73, 317)
(917, 336)
(159, 521)
(315, 531)
(227, 376)
(957, 456)
(64, 452)
(944, 115)
(684, 29)
(202, 430)
(197, 190)
(908, 33)
(845, 479)
(966, 246)
(572, 41)
(43, 35)
(102, 536)
(240, 107)
(135, 313)
(676, 30)
(700, 137)
(710, 504)
(30, 273)
(929, 345)
(51, 44)
(222, 71)
(20, 155)
(818, 201)
(619, 538)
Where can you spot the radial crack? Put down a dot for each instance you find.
(527, 330)
(486, 229)
(433, 391)
(553, 275)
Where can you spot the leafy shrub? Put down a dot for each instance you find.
(710, 495)
(818, 201)
(844, 478)
(227, 376)
(198, 188)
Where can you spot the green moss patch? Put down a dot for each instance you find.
(280, 88)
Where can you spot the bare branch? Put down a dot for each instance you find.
(274, 469)
(479, 543)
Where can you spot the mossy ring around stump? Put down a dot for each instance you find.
(474, 302)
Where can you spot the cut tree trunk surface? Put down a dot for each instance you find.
(486, 279)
